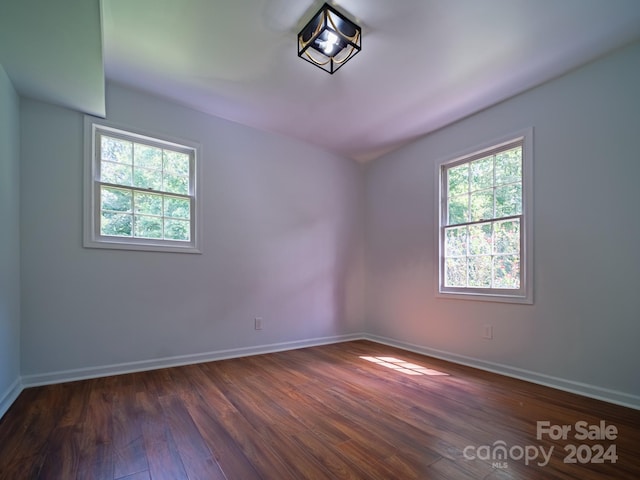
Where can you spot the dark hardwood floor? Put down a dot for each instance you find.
(318, 413)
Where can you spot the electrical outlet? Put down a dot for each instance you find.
(488, 332)
(257, 323)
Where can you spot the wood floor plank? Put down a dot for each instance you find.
(62, 460)
(325, 412)
(374, 467)
(335, 465)
(228, 454)
(162, 455)
(136, 476)
(96, 431)
(258, 449)
(26, 467)
(197, 459)
(27, 435)
(128, 443)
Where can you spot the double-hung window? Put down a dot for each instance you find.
(141, 192)
(485, 229)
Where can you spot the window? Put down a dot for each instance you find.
(485, 223)
(141, 192)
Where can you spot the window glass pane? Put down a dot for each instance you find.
(506, 271)
(148, 227)
(455, 272)
(480, 239)
(177, 207)
(176, 184)
(509, 166)
(458, 180)
(117, 173)
(115, 199)
(146, 192)
(508, 200)
(176, 163)
(482, 205)
(458, 209)
(455, 241)
(116, 150)
(147, 157)
(480, 271)
(148, 203)
(482, 223)
(177, 230)
(145, 178)
(115, 224)
(507, 236)
(481, 174)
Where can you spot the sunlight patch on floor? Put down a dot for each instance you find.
(403, 366)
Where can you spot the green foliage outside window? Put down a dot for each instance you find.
(483, 222)
(145, 191)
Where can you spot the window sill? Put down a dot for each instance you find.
(486, 297)
(146, 246)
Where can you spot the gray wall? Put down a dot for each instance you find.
(585, 324)
(282, 240)
(9, 242)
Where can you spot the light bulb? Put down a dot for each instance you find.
(330, 43)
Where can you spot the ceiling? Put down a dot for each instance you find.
(52, 51)
(424, 63)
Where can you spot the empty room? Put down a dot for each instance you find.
(284, 239)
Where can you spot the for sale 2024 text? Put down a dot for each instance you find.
(581, 431)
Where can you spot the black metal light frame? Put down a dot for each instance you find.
(329, 40)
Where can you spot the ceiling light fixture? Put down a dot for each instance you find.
(329, 40)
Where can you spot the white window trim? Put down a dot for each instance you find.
(91, 237)
(502, 295)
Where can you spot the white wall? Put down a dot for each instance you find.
(584, 328)
(282, 240)
(9, 243)
(283, 232)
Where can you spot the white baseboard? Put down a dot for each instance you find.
(10, 396)
(122, 368)
(599, 393)
(584, 389)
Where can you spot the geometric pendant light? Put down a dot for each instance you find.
(329, 40)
